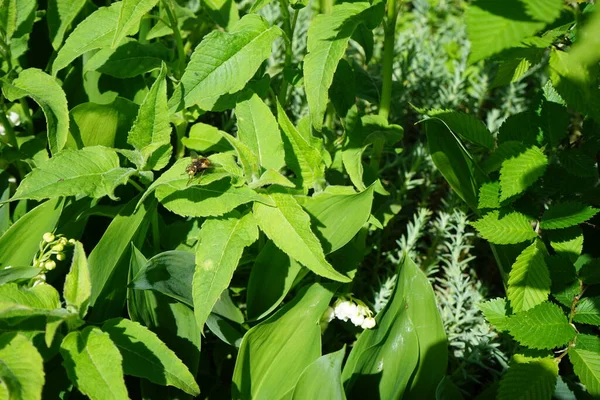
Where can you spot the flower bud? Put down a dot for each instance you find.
(63, 241)
(357, 319)
(72, 241)
(49, 265)
(60, 256)
(345, 310)
(58, 247)
(14, 118)
(48, 237)
(368, 323)
(328, 315)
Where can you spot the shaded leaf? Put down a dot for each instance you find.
(22, 372)
(130, 16)
(520, 172)
(529, 279)
(60, 15)
(566, 214)
(322, 378)
(535, 378)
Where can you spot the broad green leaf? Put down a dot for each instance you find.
(520, 172)
(293, 336)
(95, 32)
(535, 378)
(151, 132)
(288, 226)
(93, 363)
(21, 241)
(543, 10)
(301, 157)
(586, 362)
(495, 311)
(489, 195)
(506, 228)
(567, 214)
(529, 279)
(11, 274)
(338, 218)
(555, 120)
(407, 347)
(589, 273)
(43, 297)
(343, 88)
(214, 70)
(130, 16)
(588, 311)
(78, 286)
(271, 177)
(271, 278)
(222, 241)
(22, 371)
(17, 18)
(578, 163)
(544, 326)
(205, 138)
(91, 171)
(465, 126)
(44, 89)
(258, 129)
(328, 37)
(322, 379)
(504, 151)
(60, 15)
(130, 59)
(246, 157)
(523, 128)
(214, 199)
(567, 242)
(223, 12)
(146, 356)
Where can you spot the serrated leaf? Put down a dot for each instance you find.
(567, 242)
(543, 10)
(504, 151)
(60, 15)
(506, 228)
(44, 89)
(578, 163)
(288, 226)
(258, 129)
(17, 18)
(588, 311)
(213, 69)
(489, 195)
(328, 37)
(146, 356)
(22, 372)
(466, 126)
(40, 297)
(529, 279)
(78, 286)
(586, 364)
(534, 379)
(93, 364)
(523, 128)
(567, 214)
(520, 172)
(544, 326)
(130, 16)
(495, 311)
(590, 272)
(92, 171)
(222, 241)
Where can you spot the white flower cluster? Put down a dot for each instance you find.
(358, 314)
(14, 119)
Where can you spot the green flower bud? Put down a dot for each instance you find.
(49, 265)
(63, 241)
(60, 256)
(72, 241)
(48, 237)
(58, 247)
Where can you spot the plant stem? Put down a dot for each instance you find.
(289, 25)
(8, 129)
(178, 40)
(326, 6)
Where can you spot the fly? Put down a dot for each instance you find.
(198, 164)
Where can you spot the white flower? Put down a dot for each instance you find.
(2, 130)
(368, 323)
(357, 319)
(345, 310)
(14, 118)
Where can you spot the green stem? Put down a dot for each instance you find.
(326, 6)
(388, 58)
(8, 130)
(155, 232)
(27, 115)
(289, 25)
(178, 40)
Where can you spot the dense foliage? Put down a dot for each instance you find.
(270, 200)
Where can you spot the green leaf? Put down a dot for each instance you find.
(288, 226)
(151, 132)
(223, 12)
(17, 18)
(43, 297)
(590, 272)
(245, 156)
(95, 32)
(322, 378)
(489, 195)
(258, 129)
(529, 279)
(78, 286)
(22, 372)
(213, 69)
(495, 311)
(17, 273)
(504, 151)
(21, 241)
(91, 171)
(466, 126)
(544, 326)
(60, 15)
(302, 157)
(293, 336)
(567, 214)
(328, 37)
(93, 364)
(578, 163)
(406, 349)
(271, 177)
(130, 16)
(44, 89)
(205, 138)
(520, 172)
(543, 10)
(218, 253)
(505, 228)
(146, 356)
(567, 242)
(588, 311)
(586, 362)
(555, 120)
(535, 378)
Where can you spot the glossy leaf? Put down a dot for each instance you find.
(78, 286)
(22, 371)
(322, 378)
(529, 279)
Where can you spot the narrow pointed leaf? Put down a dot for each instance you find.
(60, 15)
(466, 126)
(130, 16)
(78, 286)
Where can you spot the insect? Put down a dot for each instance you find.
(198, 164)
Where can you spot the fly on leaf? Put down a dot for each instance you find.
(198, 164)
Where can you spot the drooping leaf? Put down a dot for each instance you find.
(22, 372)
(60, 15)
(92, 171)
(465, 126)
(495, 311)
(505, 228)
(588, 311)
(130, 16)
(566, 214)
(489, 195)
(78, 286)
(212, 71)
(522, 171)
(535, 378)
(293, 335)
(44, 89)
(288, 226)
(146, 356)
(93, 363)
(529, 279)
(544, 326)
(222, 241)
(322, 379)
